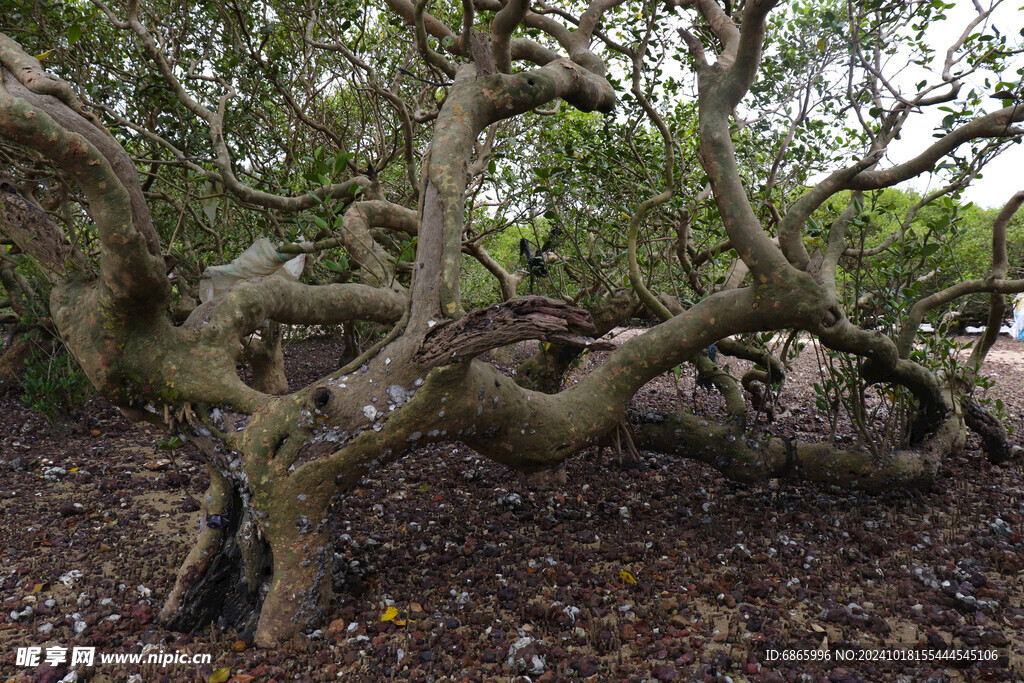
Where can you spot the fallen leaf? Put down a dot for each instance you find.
(219, 676)
(389, 615)
(626, 576)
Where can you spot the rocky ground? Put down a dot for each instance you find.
(451, 568)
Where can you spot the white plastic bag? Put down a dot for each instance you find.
(1017, 330)
(259, 260)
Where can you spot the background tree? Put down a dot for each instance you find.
(739, 195)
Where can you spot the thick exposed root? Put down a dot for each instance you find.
(222, 576)
(749, 461)
(994, 439)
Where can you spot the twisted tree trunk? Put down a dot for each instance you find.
(278, 460)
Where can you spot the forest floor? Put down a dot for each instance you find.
(637, 571)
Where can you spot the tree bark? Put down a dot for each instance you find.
(994, 439)
(545, 370)
(742, 460)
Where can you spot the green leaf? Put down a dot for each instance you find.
(338, 266)
(74, 34)
(170, 444)
(341, 160)
(408, 251)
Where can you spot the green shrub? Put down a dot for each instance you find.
(54, 385)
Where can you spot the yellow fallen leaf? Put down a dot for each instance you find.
(44, 55)
(389, 615)
(219, 676)
(626, 576)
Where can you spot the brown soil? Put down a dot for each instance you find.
(659, 570)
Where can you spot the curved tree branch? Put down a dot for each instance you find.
(503, 26)
(1000, 264)
(131, 274)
